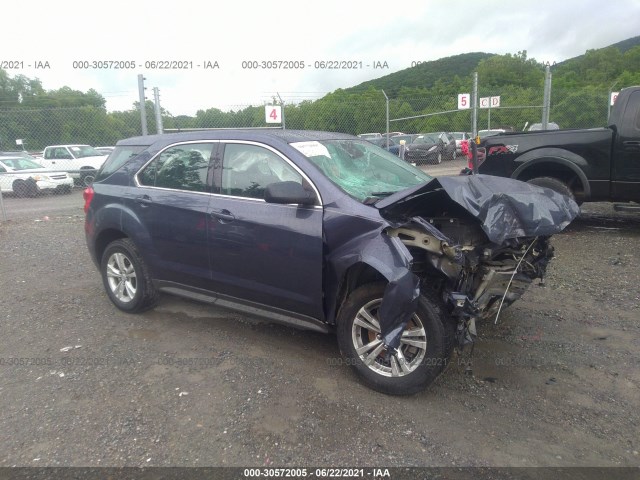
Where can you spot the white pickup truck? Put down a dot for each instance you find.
(81, 161)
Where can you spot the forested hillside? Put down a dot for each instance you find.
(579, 99)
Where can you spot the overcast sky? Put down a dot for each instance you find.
(230, 32)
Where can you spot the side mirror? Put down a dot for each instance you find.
(288, 192)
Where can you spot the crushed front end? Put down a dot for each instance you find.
(474, 277)
(477, 241)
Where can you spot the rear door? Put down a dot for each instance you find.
(261, 252)
(171, 199)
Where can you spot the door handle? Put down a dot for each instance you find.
(144, 200)
(225, 215)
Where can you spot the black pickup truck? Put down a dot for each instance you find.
(589, 165)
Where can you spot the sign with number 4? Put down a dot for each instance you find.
(273, 114)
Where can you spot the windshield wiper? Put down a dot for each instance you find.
(381, 194)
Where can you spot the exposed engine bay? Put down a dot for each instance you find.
(474, 277)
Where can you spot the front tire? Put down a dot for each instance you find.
(126, 277)
(437, 160)
(421, 355)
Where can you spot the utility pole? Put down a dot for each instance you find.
(142, 106)
(156, 101)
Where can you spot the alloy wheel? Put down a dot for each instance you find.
(121, 277)
(365, 335)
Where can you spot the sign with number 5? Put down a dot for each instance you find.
(272, 114)
(464, 101)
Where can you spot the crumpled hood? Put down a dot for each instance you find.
(506, 208)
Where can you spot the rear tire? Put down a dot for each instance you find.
(422, 349)
(553, 184)
(126, 277)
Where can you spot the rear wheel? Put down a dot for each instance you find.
(553, 184)
(420, 357)
(126, 277)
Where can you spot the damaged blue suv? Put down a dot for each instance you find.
(322, 231)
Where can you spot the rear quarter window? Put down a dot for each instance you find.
(118, 158)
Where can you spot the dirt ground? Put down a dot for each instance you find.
(555, 383)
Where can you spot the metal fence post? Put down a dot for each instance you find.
(4, 212)
(156, 100)
(546, 100)
(142, 106)
(284, 125)
(474, 99)
(387, 103)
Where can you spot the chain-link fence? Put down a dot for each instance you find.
(30, 167)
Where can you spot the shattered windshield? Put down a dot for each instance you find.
(363, 170)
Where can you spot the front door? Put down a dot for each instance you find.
(626, 153)
(261, 252)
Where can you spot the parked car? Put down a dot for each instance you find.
(322, 231)
(425, 148)
(385, 139)
(391, 134)
(82, 161)
(379, 141)
(394, 142)
(460, 137)
(588, 164)
(538, 126)
(431, 148)
(450, 146)
(25, 178)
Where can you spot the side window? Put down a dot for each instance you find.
(2, 169)
(248, 169)
(183, 167)
(62, 154)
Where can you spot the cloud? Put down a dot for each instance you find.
(234, 33)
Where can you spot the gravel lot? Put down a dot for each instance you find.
(555, 383)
